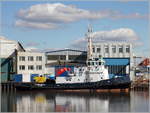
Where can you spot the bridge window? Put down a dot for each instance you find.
(92, 63)
(96, 63)
(99, 63)
(88, 63)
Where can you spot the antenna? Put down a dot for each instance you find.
(89, 38)
(90, 28)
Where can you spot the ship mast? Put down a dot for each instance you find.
(89, 38)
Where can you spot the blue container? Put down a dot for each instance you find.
(18, 78)
(32, 76)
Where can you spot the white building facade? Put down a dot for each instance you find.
(113, 50)
(30, 63)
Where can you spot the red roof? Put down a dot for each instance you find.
(145, 62)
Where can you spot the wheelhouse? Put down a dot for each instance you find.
(95, 62)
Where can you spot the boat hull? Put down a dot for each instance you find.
(114, 83)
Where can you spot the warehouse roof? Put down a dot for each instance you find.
(66, 50)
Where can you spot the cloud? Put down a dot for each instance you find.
(49, 16)
(52, 16)
(5, 39)
(119, 35)
(37, 25)
(122, 34)
(56, 13)
(130, 16)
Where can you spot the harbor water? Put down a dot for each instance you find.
(47, 101)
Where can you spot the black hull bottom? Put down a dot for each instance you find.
(114, 83)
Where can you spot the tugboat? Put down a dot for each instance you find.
(93, 76)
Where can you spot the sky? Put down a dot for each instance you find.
(61, 24)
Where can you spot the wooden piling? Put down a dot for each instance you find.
(8, 86)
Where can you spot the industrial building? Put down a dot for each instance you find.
(8, 56)
(64, 58)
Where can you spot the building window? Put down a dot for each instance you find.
(30, 58)
(120, 49)
(77, 57)
(22, 58)
(93, 50)
(106, 49)
(128, 49)
(39, 67)
(98, 50)
(62, 57)
(30, 67)
(56, 57)
(52, 57)
(38, 58)
(22, 67)
(114, 49)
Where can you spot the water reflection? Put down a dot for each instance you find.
(46, 101)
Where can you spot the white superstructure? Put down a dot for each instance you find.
(94, 71)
